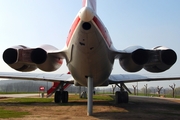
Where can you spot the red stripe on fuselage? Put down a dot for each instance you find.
(103, 31)
(73, 27)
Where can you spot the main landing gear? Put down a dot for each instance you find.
(122, 96)
(61, 96)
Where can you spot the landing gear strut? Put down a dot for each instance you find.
(90, 96)
(122, 96)
(61, 96)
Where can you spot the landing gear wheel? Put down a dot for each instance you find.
(121, 97)
(61, 97)
(117, 97)
(125, 97)
(65, 97)
(57, 97)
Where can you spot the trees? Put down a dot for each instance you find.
(159, 90)
(177, 91)
(146, 88)
(173, 88)
(134, 87)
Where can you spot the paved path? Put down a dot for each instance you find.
(155, 99)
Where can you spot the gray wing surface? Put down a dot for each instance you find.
(38, 77)
(114, 78)
(127, 78)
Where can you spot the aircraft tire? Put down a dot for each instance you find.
(118, 98)
(125, 97)
(121, 97)
(57, 97)
(65, 97)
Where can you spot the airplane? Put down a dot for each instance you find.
(89, 54)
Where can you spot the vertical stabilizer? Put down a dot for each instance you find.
(89, 3)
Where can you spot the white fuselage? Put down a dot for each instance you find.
(89, 49)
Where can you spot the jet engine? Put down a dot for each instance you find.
(135, 60)
(160, 59)
(13, 57)
(19, 56)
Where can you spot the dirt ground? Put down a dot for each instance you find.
(138, 108)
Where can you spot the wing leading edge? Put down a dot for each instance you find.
(127, 78)
(67, 78)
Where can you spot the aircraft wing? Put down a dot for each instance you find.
(127, 78)
(67, 78)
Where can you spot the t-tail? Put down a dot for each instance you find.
(90, 3)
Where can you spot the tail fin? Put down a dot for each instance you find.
(89, 3)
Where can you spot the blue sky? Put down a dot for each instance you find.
(148, 23)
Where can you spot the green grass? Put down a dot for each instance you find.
(17, 114)
(48, 100)
(12, 114)
(29, 100)
(74, 97)
(95, 97)
(19, 92)
(102, 97)
(156, 95)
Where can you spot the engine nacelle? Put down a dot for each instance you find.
(45, 61)
(135, 60)
(160, 59)
(34, 57)
(12, 57)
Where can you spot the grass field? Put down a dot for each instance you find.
(4, 113)
(156, 95)
(19, 92)
(12, 114)
(148, 108)
(104, 107)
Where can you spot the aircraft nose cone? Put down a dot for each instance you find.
(86, 14)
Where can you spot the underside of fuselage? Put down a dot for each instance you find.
(89, 55)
